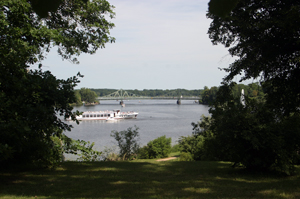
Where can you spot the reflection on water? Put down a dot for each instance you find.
(156, 118)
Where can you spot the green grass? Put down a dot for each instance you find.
(147, 179)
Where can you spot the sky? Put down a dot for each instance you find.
(160, 44)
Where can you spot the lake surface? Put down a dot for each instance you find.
(156, 118)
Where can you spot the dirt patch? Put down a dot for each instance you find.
(166, 159)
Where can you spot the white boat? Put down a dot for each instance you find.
(106, 115)
(111, 119)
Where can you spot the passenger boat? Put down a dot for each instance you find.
(111, 119)
(106, 115)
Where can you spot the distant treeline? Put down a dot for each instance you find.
(253, 90)
(208, 95)
(152, 92)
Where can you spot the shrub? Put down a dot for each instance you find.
(200, 145)
(110, 154)
(160, 147)
(157, 148)
(81, 148)
(113, 157)
(144, 152)
(192, 145)
(186, 156)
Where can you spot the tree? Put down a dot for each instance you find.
(77, 97)
(31, 102)
(87, 95)
(265, 36)
(253, 135)
(30, 109)
(127, 141)
(209, 95)
(43, 7)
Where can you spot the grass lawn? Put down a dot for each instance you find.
(147, 179)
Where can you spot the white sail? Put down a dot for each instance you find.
(243, 102)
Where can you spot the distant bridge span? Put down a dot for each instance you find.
(122, 95)
(146, 97)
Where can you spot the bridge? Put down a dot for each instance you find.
(122, 95)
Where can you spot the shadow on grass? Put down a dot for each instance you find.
(147, 180)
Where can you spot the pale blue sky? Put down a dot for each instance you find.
(160, 44)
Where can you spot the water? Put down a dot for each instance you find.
(156, 118)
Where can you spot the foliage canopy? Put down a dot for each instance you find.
(253, 135)
(264, 35)
(86, 95)
(33, 103)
